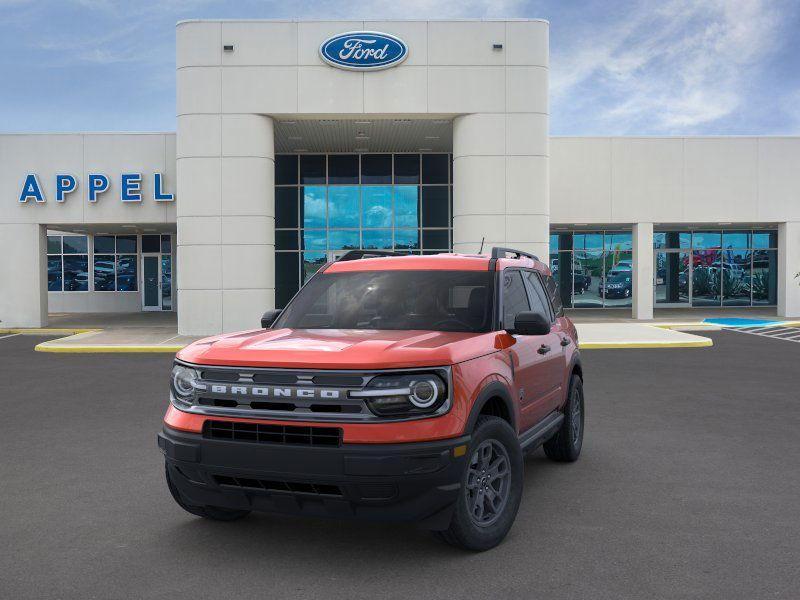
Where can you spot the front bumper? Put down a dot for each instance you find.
(412, 482)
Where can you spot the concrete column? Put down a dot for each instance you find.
(226, 223)
(643, 271)
(788, 267)
(501, 182)
(23, 271)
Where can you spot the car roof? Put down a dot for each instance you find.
(433, 262)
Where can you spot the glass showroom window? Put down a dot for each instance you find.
(67, 263)
(593, 268)
(328, 204)
(115, 263)
(716, 267)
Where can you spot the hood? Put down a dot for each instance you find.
(340, 348)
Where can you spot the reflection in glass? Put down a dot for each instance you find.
(736, 239)
(618, 241)
(75, 244)
(765, 239)
(406, 168)
(735, 277)
(706, 239)
(435, 239)
(54, 279)
(377, 206)
(76, 273)
(406, 239)
(54, 244)
(312, 168)
(587, 276)
(343, 206)
(126, 244)
(126, 273)
(166, 282)
(672, 239)
(346, 239)
(617, 287)
(104, 272)
(312, 261)
(706, 278)
(765, 277)
(166, 244)
(343, 168)
(104, 244)
(376, 168)
(377, 239)
(313, 207)
(406, 206)
(313, 239)
(672, 278)
(588, 241)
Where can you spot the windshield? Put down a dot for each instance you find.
(431, 300)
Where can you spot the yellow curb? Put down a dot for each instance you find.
(46, 331)
(704, 343)
(47, 347)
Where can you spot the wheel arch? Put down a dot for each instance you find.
(496, 398)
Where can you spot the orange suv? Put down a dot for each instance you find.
(391, 387)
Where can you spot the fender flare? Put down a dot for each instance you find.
(492, 389)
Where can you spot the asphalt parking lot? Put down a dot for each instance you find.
(688, 487)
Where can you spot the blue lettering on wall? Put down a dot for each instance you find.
(98, 183)
(31, 190)
(65, 184)
(158, 195)
(131, 188)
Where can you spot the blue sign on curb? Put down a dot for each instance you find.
(363, 50)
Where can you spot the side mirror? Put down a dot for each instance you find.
(269, 318)
(531, 323)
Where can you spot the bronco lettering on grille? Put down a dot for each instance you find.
(275, 392)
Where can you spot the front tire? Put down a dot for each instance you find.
(491, 488)
(215, 513)
(566, 444)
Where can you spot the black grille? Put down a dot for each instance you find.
(317, 489)
(273, 434)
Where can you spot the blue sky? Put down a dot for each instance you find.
(617, 68)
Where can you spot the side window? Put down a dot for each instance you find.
(555, 297)
(539, 302)
(515, 298)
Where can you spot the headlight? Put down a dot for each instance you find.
(404, 394)
(183, 379)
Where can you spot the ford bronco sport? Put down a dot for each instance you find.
(391, 387)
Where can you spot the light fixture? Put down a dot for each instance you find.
(228, 47)
(301, 150)
(432, 137)
(288, 122)
(295, 137)
(363, 122)
(128, 226)
(361, 150)
(497, 46)
(426, 149)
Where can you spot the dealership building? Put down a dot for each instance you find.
(297, 141)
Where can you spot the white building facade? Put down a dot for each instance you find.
(283, 159)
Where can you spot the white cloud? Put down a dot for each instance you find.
(669, 69)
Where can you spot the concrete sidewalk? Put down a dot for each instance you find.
(157, 332)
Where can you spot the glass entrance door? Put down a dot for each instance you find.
(151, 279)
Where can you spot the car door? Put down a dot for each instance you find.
(554, 360)
(528, 358)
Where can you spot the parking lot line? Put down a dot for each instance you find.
(2, 337)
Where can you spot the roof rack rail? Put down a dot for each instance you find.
(358, 254)
(498, 252)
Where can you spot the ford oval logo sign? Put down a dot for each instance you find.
(363, 50)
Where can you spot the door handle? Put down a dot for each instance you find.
(543, 349)
(565, 341)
